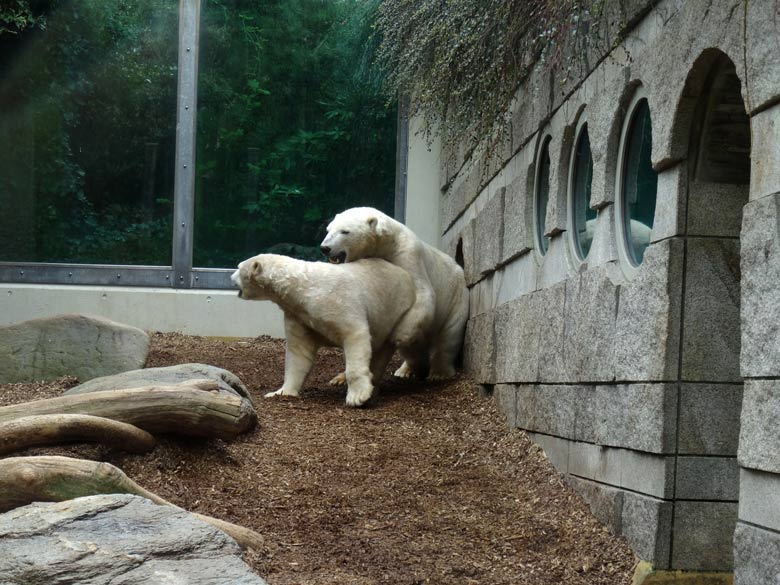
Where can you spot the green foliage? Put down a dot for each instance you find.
(17, 16)
(292, 125)
(461, 61)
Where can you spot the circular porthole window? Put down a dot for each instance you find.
(637, 186)
(582, 219)
(542, 196)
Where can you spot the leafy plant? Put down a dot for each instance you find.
(292, 126)
(461, 61)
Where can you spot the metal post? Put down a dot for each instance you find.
(186, 122)
(401, 159)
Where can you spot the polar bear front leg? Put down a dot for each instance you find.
(357, 354)
(298, 358)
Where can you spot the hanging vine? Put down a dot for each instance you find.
(461, 61)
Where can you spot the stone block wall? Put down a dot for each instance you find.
(654, 390)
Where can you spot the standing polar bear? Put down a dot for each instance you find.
(431, 335)
(356, 307)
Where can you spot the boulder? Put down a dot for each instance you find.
(119, 539)
(228, 382)
(83, 346)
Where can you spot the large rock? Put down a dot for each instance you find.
(74, 345)
(118, 539)
(228, 382)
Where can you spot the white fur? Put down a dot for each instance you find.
(432, 334)
(356, 307)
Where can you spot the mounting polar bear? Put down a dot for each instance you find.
(431, 335)
(357, 307)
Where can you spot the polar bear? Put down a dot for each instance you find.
(432, 333)
(356, 307)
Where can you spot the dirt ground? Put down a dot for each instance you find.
(426, 485)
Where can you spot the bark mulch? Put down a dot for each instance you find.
(426, 485)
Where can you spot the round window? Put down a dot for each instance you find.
(639, 184)
(583, 218)
(542, 196)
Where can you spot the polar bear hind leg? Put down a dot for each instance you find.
(338, 379)
(379, 362)
(405, 371)
(416, 361)
(448, 342)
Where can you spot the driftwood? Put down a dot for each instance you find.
(194, 408)
(50, 429)
(24, 480)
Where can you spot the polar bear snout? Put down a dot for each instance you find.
(235, 278)
(333, 257)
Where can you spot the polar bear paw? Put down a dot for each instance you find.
(359, 393)
(339, 380)
(403, 372)
(281, 392)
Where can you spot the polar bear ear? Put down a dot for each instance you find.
(257, 268)
(378, 225)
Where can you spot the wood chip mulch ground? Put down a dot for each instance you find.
(425, 486)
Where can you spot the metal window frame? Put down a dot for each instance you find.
(181, 274)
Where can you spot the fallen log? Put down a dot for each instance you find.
(195, 408)
(51, 429)
(24, 480)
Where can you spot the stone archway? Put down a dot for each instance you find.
(716, 172)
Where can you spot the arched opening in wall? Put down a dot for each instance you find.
(718, 186)
(710, 400)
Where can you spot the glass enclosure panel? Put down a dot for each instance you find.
(542, 196)
(584, 216)
(87, 122)
(639, 183)
(292, 127)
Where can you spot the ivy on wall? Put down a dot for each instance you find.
(461, 61)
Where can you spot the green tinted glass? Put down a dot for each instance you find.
(584, 216)
(542, 196)
(87, 122)
(640, 183)
(292, 127)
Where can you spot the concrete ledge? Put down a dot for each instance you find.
(217, 313)
(645, 574)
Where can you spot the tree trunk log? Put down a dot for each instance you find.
(192, 409)
(24, 480)
(50, 429)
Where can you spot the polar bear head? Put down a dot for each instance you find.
(249, 279)
(356, 233)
